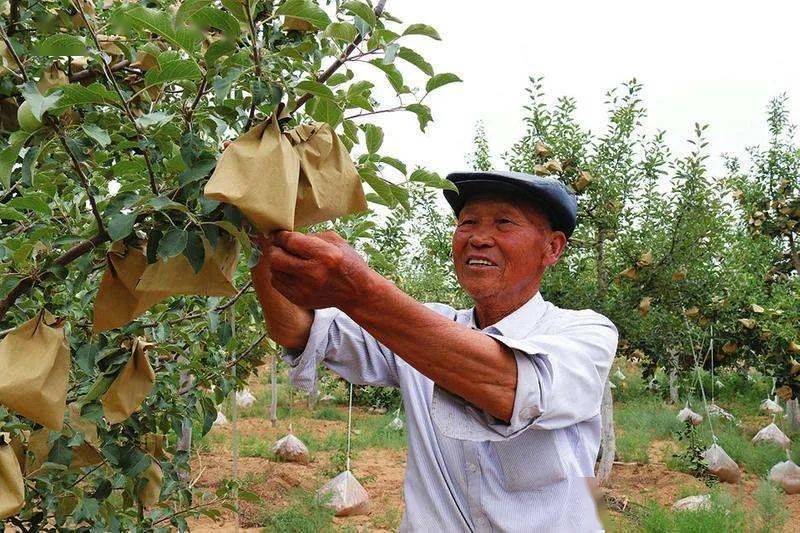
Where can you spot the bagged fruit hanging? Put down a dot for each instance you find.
(721, 465)
(119, 300)
(345, 495)
(177, 276)
(687, 415)
(291, 449)
(34, 359)
(12, 484)
(287, 181)
(773, 434)
(787, 476)
(131, 386)
(150, 489)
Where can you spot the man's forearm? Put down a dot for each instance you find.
(464, 362)
(288, 324)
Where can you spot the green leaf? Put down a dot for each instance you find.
(350, 130)
(343, 31)
(423, 113)
(160, 23)
(60, 453)
(307, 10)
(39, 104)
(236, 7)
(396, 163)
(120, 226)
(324, 110)
(31, 202)
(439, 80)
(219, 49)
(172, 243)
(374, 136)
(86, 356)
(9, 156)
(188, 8)
(360, 87)
(95, 93)
(222, 84)
(9, 213)
(195, 251)
(361, 10)
(97, 133)
(415, 59)
(360, 101)
(432, 179)
(422, 29)
(176, 70)
(156, 118)
(315, 88)
(60, 45)
(390, 52)
(216, 18)
(381, 187)
(393, 75)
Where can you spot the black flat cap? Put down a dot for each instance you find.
(546, 192)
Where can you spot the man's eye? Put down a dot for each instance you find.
(505, 221)
(465, 222)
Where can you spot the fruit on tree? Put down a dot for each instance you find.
(27, 121)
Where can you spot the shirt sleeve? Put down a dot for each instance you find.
(344, 347)
(560, 381)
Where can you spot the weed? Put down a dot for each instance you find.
(772, 511)
(329, 413)
(304, 514)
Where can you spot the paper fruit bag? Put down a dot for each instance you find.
(258, 173)
(131, 386)
(118, 300)
(329, 185)
(177, 276)
(12, 485)
(34, 359)
(150, 491)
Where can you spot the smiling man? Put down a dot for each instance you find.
(502, 400)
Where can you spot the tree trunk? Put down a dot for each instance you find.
(312, 397)
(793, 415)
(607, 439)
(673, 378)
(273, 400)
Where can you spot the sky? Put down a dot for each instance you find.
(702, 61)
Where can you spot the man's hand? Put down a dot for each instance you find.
(317, 270)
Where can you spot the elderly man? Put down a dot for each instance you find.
(502, 400)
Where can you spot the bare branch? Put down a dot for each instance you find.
(13, 53)
(101, 229)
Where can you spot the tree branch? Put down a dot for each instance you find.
(29, 281)
(247, 351)
(256, 60)
(113, 81)
(101, 229)
(322, 78)
(89, 74)
(13, 53)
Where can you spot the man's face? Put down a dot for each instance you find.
(501, 247)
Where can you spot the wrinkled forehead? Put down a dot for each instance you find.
(498, 203)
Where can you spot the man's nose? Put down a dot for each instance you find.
(481, 239)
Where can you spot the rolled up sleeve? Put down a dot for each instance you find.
(343, 346)
(560, 380)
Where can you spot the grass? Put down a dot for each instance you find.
(639, 422)
(304, 514)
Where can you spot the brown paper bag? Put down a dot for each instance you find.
(329, 186)
(131, 386)
(258, 173)
(176, 275)
(34, 359)
(118, 300)
(288, 181)
(150, 492)
(155, 443)
(12, 484)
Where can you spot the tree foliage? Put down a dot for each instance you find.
(112, 118)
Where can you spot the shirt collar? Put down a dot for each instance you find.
(519, 323)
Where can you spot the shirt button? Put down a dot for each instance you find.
(472, 467)
(482, 522)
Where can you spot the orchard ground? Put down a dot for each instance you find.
(648, 477)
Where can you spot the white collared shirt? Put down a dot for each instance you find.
(466, 470)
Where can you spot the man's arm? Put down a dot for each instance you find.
(288, 324)
(323, 271)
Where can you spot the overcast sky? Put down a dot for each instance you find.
(708, 61)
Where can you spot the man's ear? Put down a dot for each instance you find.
(555, 248)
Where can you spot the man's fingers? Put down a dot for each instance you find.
(282, 261)
(305, 246)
